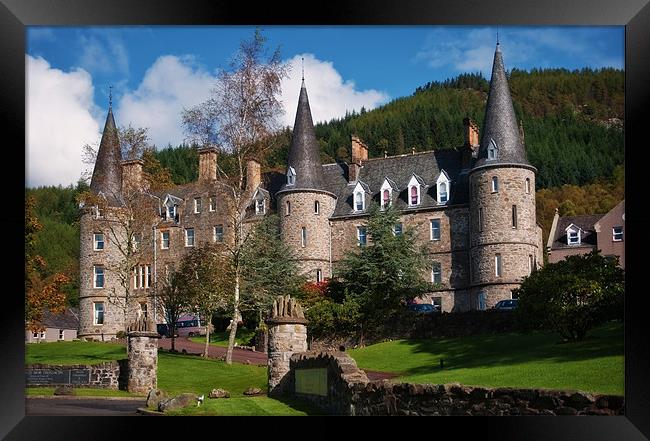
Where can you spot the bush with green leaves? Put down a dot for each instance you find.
(572, 296)
(328, 319)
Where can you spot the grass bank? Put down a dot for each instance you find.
(220, 338)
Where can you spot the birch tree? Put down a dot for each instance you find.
(238, 119)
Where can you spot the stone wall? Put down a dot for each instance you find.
(104, 375)
(143, 362)
(350, 393)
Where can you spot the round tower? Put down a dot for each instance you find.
(504, 233)
(304, 205)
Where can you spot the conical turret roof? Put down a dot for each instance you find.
(500, 124)
(304, 153)
(107, 175)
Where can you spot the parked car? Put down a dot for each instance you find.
(424, 308)
(506, 305)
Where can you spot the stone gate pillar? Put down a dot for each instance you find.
(287, 335)
(143, 356)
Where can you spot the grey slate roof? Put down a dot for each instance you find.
(585, 222)
(399, 169)
(500, 122)
(107, 174)
(69, 319)
(304, 152)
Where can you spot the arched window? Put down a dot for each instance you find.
(287, 208)
(303, 237)
(527, 185)
(316, 207)
(358, 201)
(415, 195)
(495, 184)
(385, 202)
(443, 193)
(492, 150)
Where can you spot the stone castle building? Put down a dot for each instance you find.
(473, 206)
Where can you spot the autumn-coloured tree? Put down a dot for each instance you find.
(238, 119)
(40, 292)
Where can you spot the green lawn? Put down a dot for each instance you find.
(506, 360)
(220, 338)
(177, 373)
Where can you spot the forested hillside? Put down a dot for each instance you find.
(572, 124)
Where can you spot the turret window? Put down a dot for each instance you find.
(480, 219)
(98, 276)
(98, 240)
(497, 265)
(436, 273)
(98, 313)
(287, 208)
(527, 185)
(514, 216)
(319, 275)
(495, 184)
(303, 237)
(492, 150)
(316, 207)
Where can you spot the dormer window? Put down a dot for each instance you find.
(492, 150)
(414, 194)
(573, 235)
(359, 195)
(259, 206)
(443, 186)
(260, 201)
(171, 207)
(386, 193)
(291, 176)
(171, 212)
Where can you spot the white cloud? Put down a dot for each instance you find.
(329, 95)
(59, 122)
(169, 85)
(103, 52)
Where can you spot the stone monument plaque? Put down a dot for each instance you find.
(57, 376)
(311, 381)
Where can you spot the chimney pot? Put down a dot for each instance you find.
(253, 175)
(132, 175)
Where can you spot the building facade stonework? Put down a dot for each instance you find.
(472, 206)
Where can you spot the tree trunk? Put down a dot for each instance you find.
(207, 340)
(233, 325)
(173, 340)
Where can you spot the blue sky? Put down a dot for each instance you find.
(157, 71)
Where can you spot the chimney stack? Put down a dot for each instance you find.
(359, 155)
(207, 164)
(132, 175)
(253, 175)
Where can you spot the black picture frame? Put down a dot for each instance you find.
(634, 14)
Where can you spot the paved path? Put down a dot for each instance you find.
(240, 355)
(66, 406)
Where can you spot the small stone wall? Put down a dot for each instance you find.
(103, 375)
(350, 393)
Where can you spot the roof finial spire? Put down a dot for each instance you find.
(110, 96)
(303, 70)
(497, 35)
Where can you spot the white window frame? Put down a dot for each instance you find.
(432, 236)
(291, 176)
(213, 203)
(96, 242)
(495, 184)
(95, 274)
(319, 275)
(187, 237)
(303, 236)
(136, 279)
(359, 196)
(493, 150)
(197, 205)
(162, 239)
(498, 265)
(443, 180)
(61, 334)
(260, 206)
(614, 234)
(141, 276)
(96, 311)
(386, 186)
(148, 277)
(573, 230)
(436, 265)
(316, 207)
(218, 238)
(364, 235)
(515, 220)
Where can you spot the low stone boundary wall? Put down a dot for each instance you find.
(332, 381)
(109, 375)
